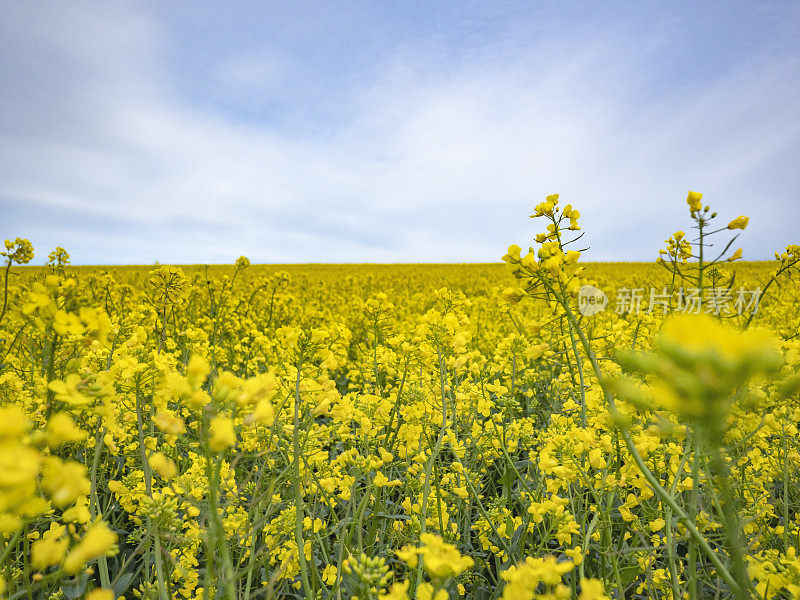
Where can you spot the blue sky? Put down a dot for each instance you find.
(391, 131)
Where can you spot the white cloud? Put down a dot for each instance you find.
(250, 76)
(438, 162)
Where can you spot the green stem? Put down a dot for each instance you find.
(5, 291)
(298, 489)
(732, 526)
(51, 374)
(11, 543)
(579, 364)
(94, 504)
(214, 467)
(692, 513)
(429, 466)
(153, 530)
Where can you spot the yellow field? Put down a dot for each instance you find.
(421, 431)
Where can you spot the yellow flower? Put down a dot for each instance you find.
(382, 481)
(409, 555)
(163, 466)
(318, 336)
(513, 295)
(198, 399)
(65, 481)
(9, 524)
(264, 413)
(19, 470)
(48, 551)
(329, 575)
(77, 513)
(170, 423)
(197, 370)
(535, 351)
(739, 222)
(222, 434)
(575, 554)
(19, 251)
(98, 541)
(169, 285)
(66, 323)
(398, 591)
(442, 559)
(697, 364)
(574, 215)
(100, 594)
(61, 430)
(592, 589)
(597, 459)
(13, 422)
(58, 257)
(735, 256)
(176, 386)
(701, 338)
(225, 384)
(425, 592)
(657, 525)
(67, 391)
(694, 201)
(524, 578)
(513, 255)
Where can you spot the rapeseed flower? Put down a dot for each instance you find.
(523, 579)
(440, 559)
(51, 549)
(222, 433)
(698, 363)
(19, 251)
(739, 222)
(64, 481)
(61, 429)
(98, 541)
(163, 465)
(694, 200)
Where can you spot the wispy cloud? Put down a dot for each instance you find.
(438, 154)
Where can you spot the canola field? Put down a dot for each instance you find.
(536, 428)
